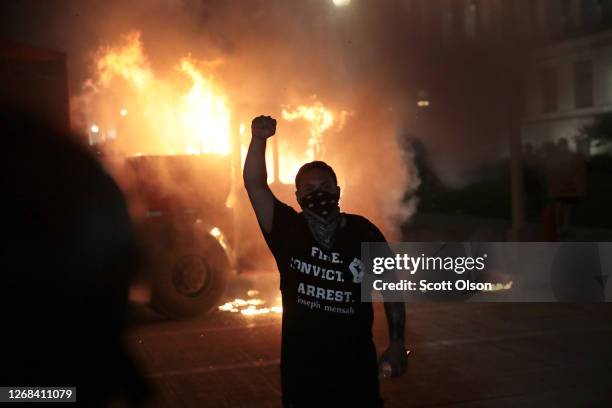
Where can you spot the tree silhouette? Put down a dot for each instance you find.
(600, 130)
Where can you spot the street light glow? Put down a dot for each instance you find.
(341, 3)
(94, 129)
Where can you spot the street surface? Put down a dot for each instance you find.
(463, 355)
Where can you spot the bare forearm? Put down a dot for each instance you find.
(396, 355)
(255, 174)
(396, 320)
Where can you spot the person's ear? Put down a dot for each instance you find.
(297, 197)
(338, 192)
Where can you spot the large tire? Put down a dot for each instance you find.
(191, 279)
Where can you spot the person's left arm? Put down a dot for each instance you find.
(396, 354)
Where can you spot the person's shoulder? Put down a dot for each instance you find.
(284, 212)
(362, 223)
(284, 206)
(357, 219)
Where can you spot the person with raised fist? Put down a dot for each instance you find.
(328, 357)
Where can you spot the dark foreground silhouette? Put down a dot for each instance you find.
(69, 256)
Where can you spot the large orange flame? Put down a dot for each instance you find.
(164, 117)
(319, 118)
(127, 61)
(185, 112)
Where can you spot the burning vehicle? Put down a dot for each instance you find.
(177, 202)
(185, 232)
(168, 142)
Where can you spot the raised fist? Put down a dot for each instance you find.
(263, 127)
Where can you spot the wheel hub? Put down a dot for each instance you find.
(191, 275)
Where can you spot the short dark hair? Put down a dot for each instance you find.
(317, 164)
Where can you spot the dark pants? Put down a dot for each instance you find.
(345, 383)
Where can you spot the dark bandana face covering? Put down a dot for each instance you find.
(322, 212)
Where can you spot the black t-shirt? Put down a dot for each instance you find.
(327, 349)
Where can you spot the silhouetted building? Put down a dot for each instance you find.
(563, 48)
(568, 82)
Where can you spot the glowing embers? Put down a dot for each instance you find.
(252, 306)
